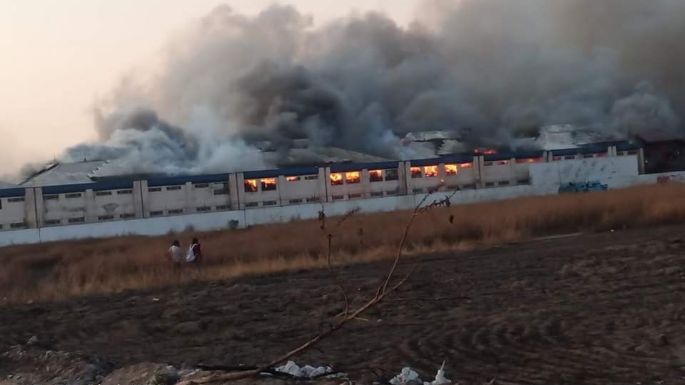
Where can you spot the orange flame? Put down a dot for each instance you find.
(451, 169)
(430, 171)
(251, 185)
(466, 165)
(336, 179)
(416, 172)
(269, 184)
(486, 151)
(353, 177)
(292, 178)
(376, 175)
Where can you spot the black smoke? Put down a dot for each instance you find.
(486, 70)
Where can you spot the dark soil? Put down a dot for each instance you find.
(588, 309)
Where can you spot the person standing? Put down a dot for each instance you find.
(175, 253)
(194, 254)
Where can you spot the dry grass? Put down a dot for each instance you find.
(65, 269)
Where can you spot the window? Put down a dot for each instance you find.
(338, 197)
(471, 186)
(376, 175)
(50, 197)
(589, 156)
(203, 209)
(223, 208)
(466, 165)
(251, 185)
(269, 203)
(418, 190)
(18, 225)
(313, 200)
(201, 185)
(293, 178)
(103, 193)
(252, 204)
(355, 196)
(570, 157)
(502, 162)
(53, 222)
(487, 163)
(376, 194)
(489, 184)
(124, 192)
(336, 179)
(154, 189)
(77, 220)
(15, 200)
(173, 188)
(221, 189)
(176, 211)
(311, 177)
(416, 172)
(451, 169)
(392, 192)
(105, 218)
(632, 152)
(430, 171)
(156, 213)
(127, 216)
(504, 183)
(523, 181)
(269, 184)
(391, 174)
(353, 177)
(295, 201)
(73, 195)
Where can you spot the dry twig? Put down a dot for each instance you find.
(381, 293)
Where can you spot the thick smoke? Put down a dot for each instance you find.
(487, 70)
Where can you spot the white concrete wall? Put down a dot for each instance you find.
(617, 172)
(12, 212)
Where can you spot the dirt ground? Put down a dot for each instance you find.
(587, 309)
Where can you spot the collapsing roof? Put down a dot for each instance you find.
(64, 173)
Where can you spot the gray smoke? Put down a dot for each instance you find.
(487, 70)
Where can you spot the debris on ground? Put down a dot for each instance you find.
(409, 377)
(306, 371)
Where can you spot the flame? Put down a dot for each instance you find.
(416, 172)
(376, 175)
(451, 169)
(529, 160)
(251, 185)
(336, 179)
(269, 184)
(353, 177)
(466, 165)
(485, 151)
(292, 178)
(430, 171)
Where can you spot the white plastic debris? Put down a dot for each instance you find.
(440, 378)
(409, 377)
(306, 371)
(406, 376)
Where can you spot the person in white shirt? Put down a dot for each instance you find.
(175, 253)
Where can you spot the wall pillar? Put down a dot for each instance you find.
(91, 214)
(139, 197)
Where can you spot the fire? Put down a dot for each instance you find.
(529, 160)
(293, 178)
(251, 185)
(376, 175)
(416, 172)
(466, 165)
(353, 177)
(451, 169)
(269, 184)
(336, 179)
(486, 151)
(430, 171)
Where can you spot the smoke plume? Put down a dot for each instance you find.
(485, 70)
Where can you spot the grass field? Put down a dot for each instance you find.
(65, 269)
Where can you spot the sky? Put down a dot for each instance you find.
(60, 56)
